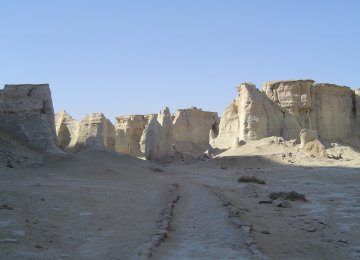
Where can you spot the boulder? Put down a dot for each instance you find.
(27, 115)
(311, 144)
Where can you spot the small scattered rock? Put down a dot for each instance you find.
(265, 202)
(311, 229)
(38, 246)
(8, 241)
(7, 207)
(343, 241)
(223, 168)
(156, 170)
(252, 179)
(265, 232)
(292, 195)
(284, 204)
(9, 164)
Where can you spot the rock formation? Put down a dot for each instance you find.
(129, 130)
(94, 131)
(157, 140)
(283, 108)
(250, 116)
(66, 129)
(27, 115)
(356, 127)
(326, 108)
(191, 130)
(186, 133)
(311, 144)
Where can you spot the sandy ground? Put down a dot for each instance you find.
(97, 205)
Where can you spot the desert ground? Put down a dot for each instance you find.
(102, 205)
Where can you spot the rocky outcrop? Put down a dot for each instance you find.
(283, 108)
(356, 128)
(191, 130)
(157, 140)
(129, 130)
(250, 116)
(311, 144)
(185, 133)
(333, 111)
(27, 115)
(66, 129)
(95, 131)
(326, 108)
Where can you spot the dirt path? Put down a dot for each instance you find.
(200, 229)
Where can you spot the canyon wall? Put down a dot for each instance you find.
(128, 131)
(94, 131)
(283, 108)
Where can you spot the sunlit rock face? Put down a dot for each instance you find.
(129, 130)
(66, 128)
(191, 130)
(93, 132)
(283, 108)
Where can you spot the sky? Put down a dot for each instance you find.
(137, 57)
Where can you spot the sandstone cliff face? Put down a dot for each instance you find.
(129, 130)
(250, 116)
(94, 132)
(332, 111)
(191, 130)
(283, 108)
(157, 140)
(66, 129)
(356, 128)
(26, 114)
(182, 134)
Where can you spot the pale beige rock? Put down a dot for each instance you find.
(66, 128)
(27, 114)
(95, 132)
(191, 130)
(128, 134)
(157, 140)
(286, 107)
(306, 136)
(332, 111)
(250, 116)
(326, 108)
(311, 144)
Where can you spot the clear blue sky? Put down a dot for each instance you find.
(134, 57)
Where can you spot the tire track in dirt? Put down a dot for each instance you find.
(200, 229)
